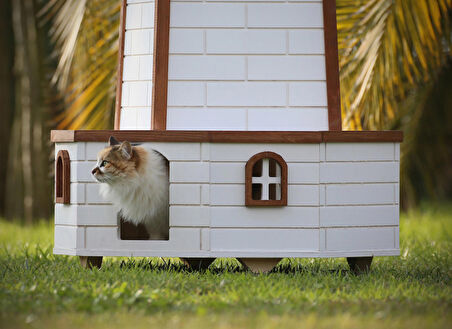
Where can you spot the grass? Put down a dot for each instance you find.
(40, 290)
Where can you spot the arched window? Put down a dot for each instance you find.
(63, 177)
(266, 180)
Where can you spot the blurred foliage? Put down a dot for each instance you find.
(388, 48)
(395, 61)
(85, 34)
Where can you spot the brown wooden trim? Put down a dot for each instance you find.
(160, 70)
(332, 65)
(249, 201)
(288, 137)
(63, 177)
(122, 31)
(394, 136)
(62, 135)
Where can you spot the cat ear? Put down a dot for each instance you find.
(113, 141)
(126, 150)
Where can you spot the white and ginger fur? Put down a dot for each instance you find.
(135, 180)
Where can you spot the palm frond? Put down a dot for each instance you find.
(85, 34)
(388, 48)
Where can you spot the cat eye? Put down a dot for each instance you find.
(103, 163)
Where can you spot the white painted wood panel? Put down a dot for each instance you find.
(206, 67)
(359, 216)
(205, 239)
(85, 215)
(146, 64)
(186, 41)
(359, 172)
(397, 151)
(107, 238)
(81, 171)
(227, 173)
(93, 195)
(176, 151)
(229, 41)
(359, 151)
(185, 194)
(285, 15)
(141, 41)
(306, 42)
(243, 152)
(298, 173)
(246, 94)
(76, 150)
(69, 237)
(133, 14)
(291, 119)
(345, 239)
(293, 68)
(303, 195)
(359, 194)
(182, 93)
(147, 15)
(303, 173)
(308, 93)
(197, 216)
(227, 195)
(207, 15)
(205, 194)
(77, 193)
(206, 119)
(264, 217)
(189, 172)
(93, 148)
(131, 69)
(264, 239)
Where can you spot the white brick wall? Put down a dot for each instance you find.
(233, 65)
(137, 69)
(342, 200)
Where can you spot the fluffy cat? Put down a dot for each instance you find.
(135, 179)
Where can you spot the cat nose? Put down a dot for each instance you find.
(95, 170)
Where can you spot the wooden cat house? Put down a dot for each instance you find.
(242, 98)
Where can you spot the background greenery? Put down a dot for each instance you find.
(58, 67)
(41, 290)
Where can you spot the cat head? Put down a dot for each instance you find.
(115, 162)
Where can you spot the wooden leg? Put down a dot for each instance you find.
(359, 265)
(90, 261)
(198, 264)
(259, 265)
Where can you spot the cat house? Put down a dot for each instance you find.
(242, 98)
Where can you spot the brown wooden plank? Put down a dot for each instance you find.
(265, 137)
(226, 136)
(122, 31)
(332, 65)
(160, 70)
(62, 135)
(362, 136)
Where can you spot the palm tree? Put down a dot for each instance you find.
(392, 53)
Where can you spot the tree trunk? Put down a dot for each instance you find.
(6, 93)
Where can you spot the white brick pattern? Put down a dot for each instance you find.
(342, 201)
(233, 65)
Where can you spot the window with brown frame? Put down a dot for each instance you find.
(63, 177)
(266, 180)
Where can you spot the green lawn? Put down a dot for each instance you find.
(39, 290)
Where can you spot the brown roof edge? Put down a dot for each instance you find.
(227, 136)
